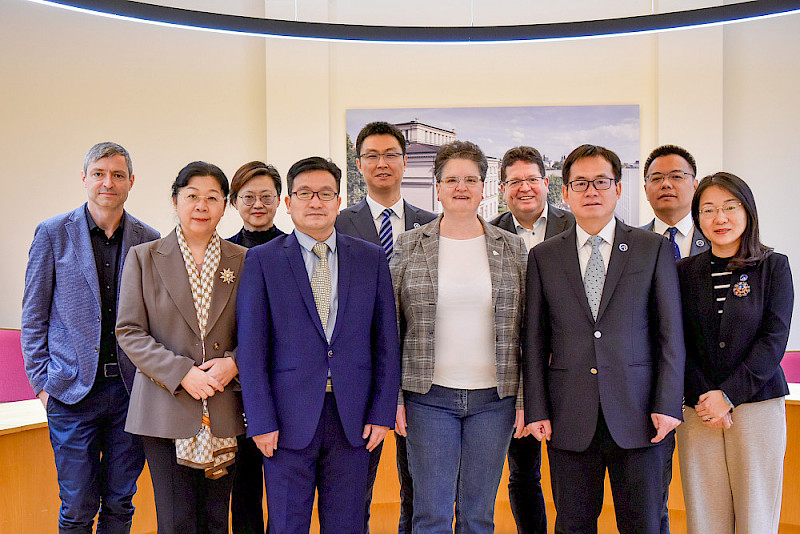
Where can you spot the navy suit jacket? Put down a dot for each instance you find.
(743, 358)
(558, 221)
(283, 354)
(357, 220)
(699, 243)
(61, 305)
(630, 360)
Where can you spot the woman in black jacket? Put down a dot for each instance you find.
(737, 306)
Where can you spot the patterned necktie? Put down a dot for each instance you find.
(321, 283)
(595, 275)
(386, 234)
(676, 251)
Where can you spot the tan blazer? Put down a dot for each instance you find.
(415, 266)
(157, 328)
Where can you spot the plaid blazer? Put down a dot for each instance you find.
(415, 265)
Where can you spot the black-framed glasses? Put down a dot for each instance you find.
(600, 184)
(307, 194)
(532, 181)
(727, 209)
(657, 178)
(389, 157)
(469, 181)
(249, 200)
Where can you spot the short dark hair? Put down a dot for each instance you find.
(751, 250)
(107, 149)
(380, 128)
(248, 171)
(669, 150)
(528, 154)
(314, 163)
(459, 150)
(591, 151)
(199, 168)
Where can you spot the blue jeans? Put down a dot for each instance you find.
(97, 462)
(457, 444)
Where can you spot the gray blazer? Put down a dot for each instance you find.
(558, 221)
(699, 243)
(415, 266)
(157, 328)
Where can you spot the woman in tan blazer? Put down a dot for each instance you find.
(459, 286)
(177, 323)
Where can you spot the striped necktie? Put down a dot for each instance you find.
(385, 234)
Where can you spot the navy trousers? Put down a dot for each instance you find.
(98, 463)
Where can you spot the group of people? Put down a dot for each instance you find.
(474, 340)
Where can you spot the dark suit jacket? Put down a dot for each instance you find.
(630, 360)
(284, 355)
(743, 359)
(61, 305)
(699, 243)
(157, 327)
(558, 221)
(357, 220)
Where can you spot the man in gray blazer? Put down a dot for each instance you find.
(670, 179)
(525, 185)
(379, 218)
(73, 362)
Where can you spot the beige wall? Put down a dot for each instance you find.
(170, 96)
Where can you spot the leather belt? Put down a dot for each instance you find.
(110, 370)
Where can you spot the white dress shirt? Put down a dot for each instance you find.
(397, 218)
(684, 235)
(585, 249)
(536, 235)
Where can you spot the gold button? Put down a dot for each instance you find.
(216, 346)
(593, 371)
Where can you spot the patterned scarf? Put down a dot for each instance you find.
(204, 450)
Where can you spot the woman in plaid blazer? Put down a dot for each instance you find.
(459, 286)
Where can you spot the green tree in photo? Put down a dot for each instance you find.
(356, 186)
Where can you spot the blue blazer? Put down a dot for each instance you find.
(630, 360)
(61, 305)
(283, 353)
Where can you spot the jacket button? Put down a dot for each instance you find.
(330, 354)
(216, 346)
(598, 334)
(97, 349)
(722, 344)
(593, 371)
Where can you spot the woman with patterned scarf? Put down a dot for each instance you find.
(177, 323)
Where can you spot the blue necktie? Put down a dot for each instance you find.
(676, 251)
(385, 234)
(595, 277)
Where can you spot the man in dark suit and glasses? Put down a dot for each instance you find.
(603, 353)
(379, 218)
(524, 185)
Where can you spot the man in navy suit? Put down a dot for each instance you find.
(318, 358)
(670, 179)
(603, 353)
(76, 368)
(524, 184)
(379, 218)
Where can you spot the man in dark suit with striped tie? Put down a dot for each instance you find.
(379, 218)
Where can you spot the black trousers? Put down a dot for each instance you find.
(247, 495)
(525, 485)
(186, 501)
(637, 484)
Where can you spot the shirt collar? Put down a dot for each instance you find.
(685, 226)
(308, 242)
(376, 209)
(93, 225)
(607, 233)
(517, 224)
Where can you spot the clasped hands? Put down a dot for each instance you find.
(211, 376)
(713, 410)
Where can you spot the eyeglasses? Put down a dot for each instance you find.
(305, 194)
(469, 181)
(389, 157)
(600, 184)
(657, 178)
(532, 181)
(249, 200)
(710, 212)
(211, 200)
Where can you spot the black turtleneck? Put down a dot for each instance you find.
(249, 239)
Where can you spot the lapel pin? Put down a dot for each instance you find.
(416, 225)
(700, 243)
(623, 247)
(743, 278)
(495, 253)
(227, 276)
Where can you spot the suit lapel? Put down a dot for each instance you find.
(222, 291)
(131, 235)
(616, 264)
(699, 243)
(171, 268)
(78, 230)
(429, 240)
(298, 267)
(572, 268)
(495, 250)
(364, 223)
(345, 262)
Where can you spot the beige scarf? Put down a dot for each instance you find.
(204, 450)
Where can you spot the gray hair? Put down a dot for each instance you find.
(105, 150)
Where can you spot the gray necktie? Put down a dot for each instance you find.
(321, 283)
(595, 275)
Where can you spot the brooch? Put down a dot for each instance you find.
(227, 276)
(741, 288)
(623, 247)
